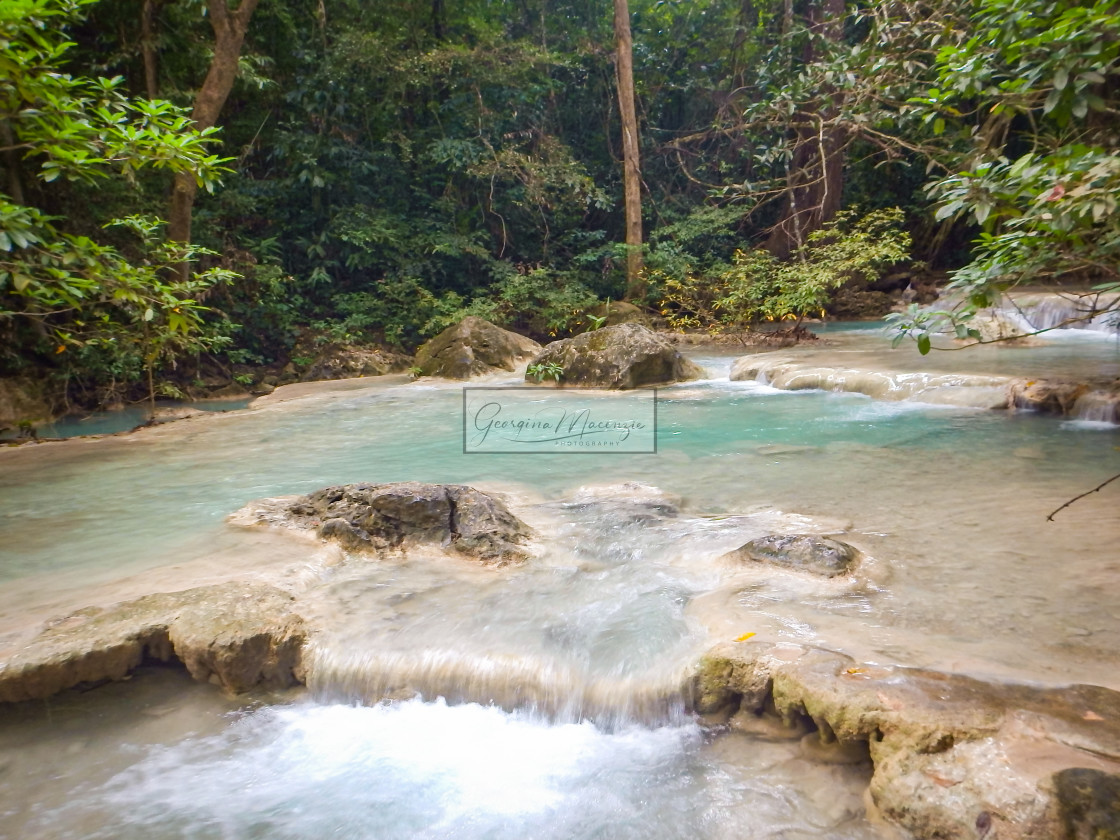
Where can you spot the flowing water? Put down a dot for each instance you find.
(562, 713)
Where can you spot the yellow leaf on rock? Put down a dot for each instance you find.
(745, 636)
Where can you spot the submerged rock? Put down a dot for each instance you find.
(953, 756)
(391, 516)
(236, 635)
(619, 357)
(1088, 803)
(473, 347)
(817, 555)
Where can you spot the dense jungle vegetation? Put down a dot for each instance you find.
(346, 172)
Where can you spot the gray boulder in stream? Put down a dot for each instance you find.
(619, 357)
(473, 347)
(817, 555)
(390, 516)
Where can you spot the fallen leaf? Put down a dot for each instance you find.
(745, 636)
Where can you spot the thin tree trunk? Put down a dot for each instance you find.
(631, 170)
(11, 162)
(229, 34)
(148, 47)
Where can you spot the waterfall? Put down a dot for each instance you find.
(1058, 311)
(1097, 407)
(557, 692)
(963, 390)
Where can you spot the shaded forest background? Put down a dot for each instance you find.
(387, 168)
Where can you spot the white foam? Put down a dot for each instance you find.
(409, 769)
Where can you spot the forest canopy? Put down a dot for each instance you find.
(371, 173)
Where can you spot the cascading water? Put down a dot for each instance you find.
(564, 711)
(1097, 407)
(1064, 311)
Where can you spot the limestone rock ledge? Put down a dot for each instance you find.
(954, 757)
(236, 635)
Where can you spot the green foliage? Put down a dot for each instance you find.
(82, 128)
(540, 302)
(404, 164)
(757, 288)
(545, 370)
(107, 315)
(90, 305)
(1039, 77)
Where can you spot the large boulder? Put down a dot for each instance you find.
(619, 357)
(1000, 325)
(621, 312)
(379, 517)
(350, 362)
(473, 347)
(236, 635)
(806, 553)
(953, 756)
(24, 403)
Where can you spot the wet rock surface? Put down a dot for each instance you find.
(394, 516)
(954, 757)
(471, 348)
(974, 391)
(618, 357)
(803, 552)
(238, 636)
(1090, 399)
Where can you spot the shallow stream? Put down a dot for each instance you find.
(563, 716)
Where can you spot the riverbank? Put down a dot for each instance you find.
(949, 504)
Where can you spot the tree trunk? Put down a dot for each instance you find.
(11, 162)
(229, 34)
(148, 47)
(815, 178)
(631, 171)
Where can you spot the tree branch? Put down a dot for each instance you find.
(1099, 487)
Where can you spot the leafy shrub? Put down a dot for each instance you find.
(759, 288)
